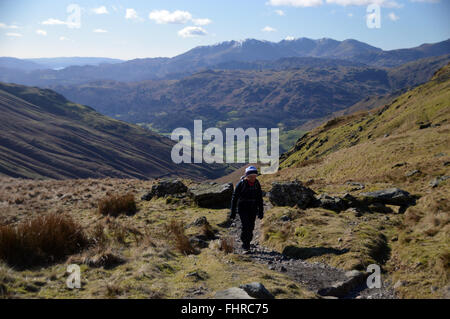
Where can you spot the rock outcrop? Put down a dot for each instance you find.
(212, 195)
(166, 187)
(233, 293)
(257, 290)
(291, 194)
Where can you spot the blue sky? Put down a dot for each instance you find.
(152, 28)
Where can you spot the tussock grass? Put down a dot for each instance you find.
(116, 205)
(175, 232)
(44, 239)
(227, 245)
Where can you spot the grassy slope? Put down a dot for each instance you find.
(367, 147)
(153, 268)
(44, 135)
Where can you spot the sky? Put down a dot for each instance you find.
(153, 28)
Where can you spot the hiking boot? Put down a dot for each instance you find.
(246, 247)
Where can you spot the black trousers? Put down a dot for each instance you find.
(248, 218)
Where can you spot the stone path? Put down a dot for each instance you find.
(317, 277)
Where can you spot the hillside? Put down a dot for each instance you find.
(43, 135)
(286, 93)
(403, 144)
(422, 107)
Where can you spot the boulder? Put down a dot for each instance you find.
(212, 195)
(412, 173)
(358, 186)
(336, 204)
(438, 180)
(232, 293)
(257, 290)
(391, 196)
(165, 188)
(353, 280)
(291, 194)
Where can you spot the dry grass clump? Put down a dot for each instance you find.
(116, 205)
(175, 231)
(44, 239)
(227, 245)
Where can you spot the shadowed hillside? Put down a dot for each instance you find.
(43, 135)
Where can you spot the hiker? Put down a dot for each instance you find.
(248, 200)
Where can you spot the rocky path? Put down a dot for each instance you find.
(318, 277)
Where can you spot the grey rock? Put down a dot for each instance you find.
(199, 222)
(438, 180)
(357, 185)
(291, 194)
(340, 289)
(332, 203)
(257, 290)
(412, 173)
(166, 187)
(233, 293)
(212, 196)
(391, 196)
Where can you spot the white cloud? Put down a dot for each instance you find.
(114, 8)
(15, 35)
(393, 16)
(289, 38)
(5, 26)
(164, 16)
(52, 21)
(201, 21)
(63, 38)
(100, 10)
(382, 3)
(268, 29)
(280, 12)
(100, 31)
(131, 14)
(295, 3)
(41, 32)
(315, 3)
(429, 1)
(190, 32)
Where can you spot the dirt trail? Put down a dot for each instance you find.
(314, 276)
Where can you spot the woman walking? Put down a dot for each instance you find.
(247, 201)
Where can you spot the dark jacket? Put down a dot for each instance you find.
(247, 199)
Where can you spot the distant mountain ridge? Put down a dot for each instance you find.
(284, 93)
(202, 57)
(52, 63)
